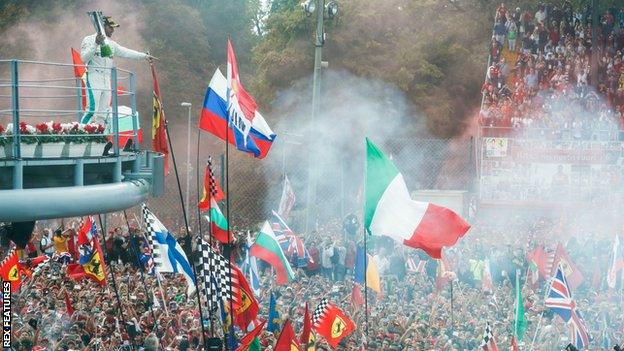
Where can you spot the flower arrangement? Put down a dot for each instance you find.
(54, 132)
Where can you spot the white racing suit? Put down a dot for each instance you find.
(99, 77)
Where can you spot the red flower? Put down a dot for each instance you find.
(23, 128)
(89, 129)
(100, 129)
(42, 128)
(2, 129)
(56, 127)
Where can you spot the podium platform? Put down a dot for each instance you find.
(37, 183)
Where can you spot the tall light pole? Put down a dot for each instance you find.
(188, 154)
(331, 10)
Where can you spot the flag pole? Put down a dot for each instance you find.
(539, 322)
(112, 274)
(141, 267)
(162, 294)
(365, 287)
(452, 310)
(365, 259)
(227, 188)
(517, 304)
(187, 240)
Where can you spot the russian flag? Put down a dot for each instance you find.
(214, 118)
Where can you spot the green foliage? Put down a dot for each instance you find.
(432, 51)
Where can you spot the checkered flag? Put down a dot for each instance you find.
(148, 219)
(40, 266)
(214, 274)
(488, 344)
(319, 311)
(215, 191)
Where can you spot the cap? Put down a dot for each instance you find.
(108, 20)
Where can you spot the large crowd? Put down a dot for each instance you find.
(416, 310)
(547, 86)
(541, 77)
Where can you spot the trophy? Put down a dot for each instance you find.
(98, 24)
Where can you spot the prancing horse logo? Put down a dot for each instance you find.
(338, 327)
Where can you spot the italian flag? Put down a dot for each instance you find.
(268, 249)
(389, 209)
(218, 223)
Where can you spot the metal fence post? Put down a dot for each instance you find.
(79, 99)
(15, 107)
(133, 105)
(114, 105)
(79, 172)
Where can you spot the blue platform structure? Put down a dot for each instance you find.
(44, 180)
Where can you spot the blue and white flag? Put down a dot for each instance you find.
(250, 268)
(167, 253)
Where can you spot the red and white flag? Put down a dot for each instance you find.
(488, 344)
(330, 322)
(287, 201)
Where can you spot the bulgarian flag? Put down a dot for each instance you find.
(218, 223)
(389, 209)
(268, 249)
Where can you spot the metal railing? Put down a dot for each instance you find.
(37, 96)
(553, 134)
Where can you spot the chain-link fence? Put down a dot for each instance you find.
(255, 186)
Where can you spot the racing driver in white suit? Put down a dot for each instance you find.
(99, 73)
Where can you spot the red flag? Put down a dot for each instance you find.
(79, 67)
(80, 71)
(71, 245)
(211, 189)
(75, 271)
(245, 305)
(96, 268)
(541, 259)
(159, 134)
(92, 263)
(68, 305)
(356, 295)
(246, 102)
(247, 339)
(24, 269)
(332, 323)
(9, 270)
(287, 340)
(571, 271)
(307, 326)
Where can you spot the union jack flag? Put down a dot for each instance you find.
(281, 230)
(580, 336)
(560, 301)
(290, 243)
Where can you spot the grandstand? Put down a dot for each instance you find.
(550, 125)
